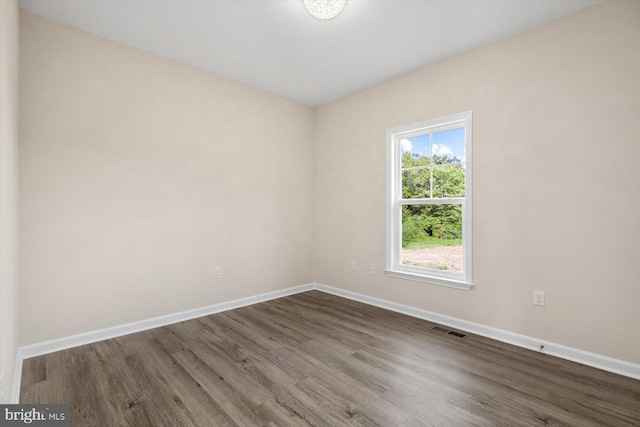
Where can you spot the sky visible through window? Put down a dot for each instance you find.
(448, 143)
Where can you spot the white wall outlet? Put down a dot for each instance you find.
(538, 298)
(217, 273)
(372, 269)
(354, 265)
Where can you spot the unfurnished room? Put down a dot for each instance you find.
(319, 213)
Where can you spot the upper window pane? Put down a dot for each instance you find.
(449, 146)
(416, 151)
(448, 180)
(416, 183)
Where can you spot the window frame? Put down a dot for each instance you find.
(394, 266)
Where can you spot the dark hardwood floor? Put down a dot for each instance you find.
(316, 359)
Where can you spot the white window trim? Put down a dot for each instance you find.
(394, 266)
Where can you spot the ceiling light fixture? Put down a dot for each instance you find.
(324, 9)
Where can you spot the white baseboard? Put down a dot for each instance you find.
(64, 343)
(606, 363)
(17, 378)
(580, 356)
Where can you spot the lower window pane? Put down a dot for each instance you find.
(432, 236)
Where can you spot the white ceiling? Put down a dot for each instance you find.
(279, 47)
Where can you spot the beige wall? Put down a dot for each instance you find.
(8, 192)
(139, 175)
(556, 131)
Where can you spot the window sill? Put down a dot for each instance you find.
(429, 279)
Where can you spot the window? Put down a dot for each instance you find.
(429, 201)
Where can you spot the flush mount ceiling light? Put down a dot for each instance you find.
(324, 9)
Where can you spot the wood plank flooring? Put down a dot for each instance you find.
(320, 360)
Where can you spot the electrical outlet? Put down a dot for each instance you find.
(217, 273)
(372, 269)
(538, 298)
(354, 265)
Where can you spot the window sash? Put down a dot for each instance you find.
(436, 201)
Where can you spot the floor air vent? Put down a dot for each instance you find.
(449, 332)
(456, 334)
